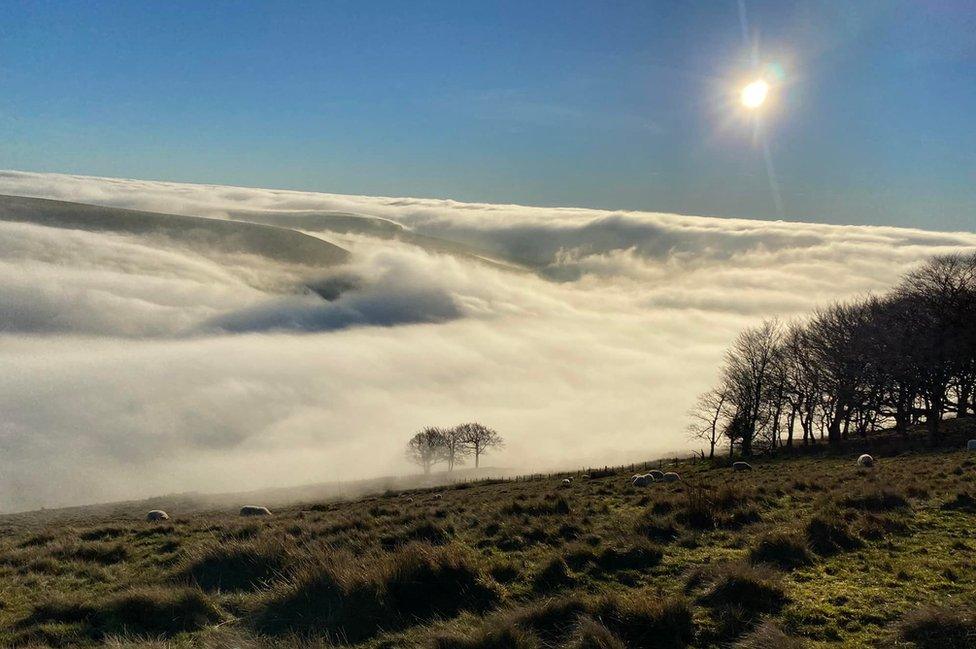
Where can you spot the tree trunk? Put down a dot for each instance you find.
(932, 420)
(745, 447)
(901, 419)
(833, 430)
(789, 427)
(962, 406)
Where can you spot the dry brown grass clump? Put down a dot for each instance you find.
(349, 600)
(236, 565)
(769, 636)
(828, 533)
(614, 621)
(939, 628)
(149, 611)
(783, 549)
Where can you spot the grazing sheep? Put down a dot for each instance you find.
(642, 480)
(671, 476)
(656, 475)
(971, 445)
(741, 466)
(255, 510)
(865, 460)
(157, 515)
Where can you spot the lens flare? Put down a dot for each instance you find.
(754, 94)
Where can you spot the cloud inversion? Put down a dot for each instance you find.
(136, 364)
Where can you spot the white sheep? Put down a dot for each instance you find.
(656, 475)
(971, 445)
(567, 482)
(642, 480)
(671, 476)
(741, 466)
(255, 510)
(157, 515)
(865, 460)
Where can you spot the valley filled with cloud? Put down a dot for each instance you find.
(280, 337)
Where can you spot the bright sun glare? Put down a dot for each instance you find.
(754, 94)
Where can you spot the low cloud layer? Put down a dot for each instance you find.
(136, 366)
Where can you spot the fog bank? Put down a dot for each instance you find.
(136, 364)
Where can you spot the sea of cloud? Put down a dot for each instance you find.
(133, 366)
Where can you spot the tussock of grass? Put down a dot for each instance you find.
(738, 594)
(769, 636)
(725, 507)
(613, 621)
(963, 501)
(590, 634)
(549, 619)
(351, 601)
(553, 574)
(783, 549)
(739, 584)
(142, 611)
(874, 526)
(540, 507)
(875, 500)
(829, 533)
(425, 532)
(639, 556)
(103, 533)
(100, 552)
(234, 566)
(657, 528)
(939, 628)
(503, 636)
(644, 619)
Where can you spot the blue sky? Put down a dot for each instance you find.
(627, 105)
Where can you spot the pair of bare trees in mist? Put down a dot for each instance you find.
(852, 368)
(433, 445)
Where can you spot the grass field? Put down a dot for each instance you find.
(806, 550)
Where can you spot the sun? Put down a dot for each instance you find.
(754, 94)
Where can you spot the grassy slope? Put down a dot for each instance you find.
(491, 561)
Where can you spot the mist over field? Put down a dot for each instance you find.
(142, 358)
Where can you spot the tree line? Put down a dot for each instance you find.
(433, 445)
(852, 368)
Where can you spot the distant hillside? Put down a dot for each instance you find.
(196, 502)
(278, 243)
(372, 226)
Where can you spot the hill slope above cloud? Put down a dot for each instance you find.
(277, 243)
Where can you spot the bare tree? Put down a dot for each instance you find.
(455, 448)
(854, 368)
(707, 417)
(427, 447)
(749, 373)
(478, 438)
(943, 293)
(839, 337)
(802, 382)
